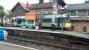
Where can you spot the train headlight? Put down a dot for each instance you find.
(68, 25)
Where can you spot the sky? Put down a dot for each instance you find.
(8, 4)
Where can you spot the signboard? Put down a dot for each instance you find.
(30, 16)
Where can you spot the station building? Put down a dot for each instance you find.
(79, 14)
(40, 8)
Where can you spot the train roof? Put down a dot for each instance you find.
(57, 16)
(19, 17)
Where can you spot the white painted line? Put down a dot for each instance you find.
(19, 46)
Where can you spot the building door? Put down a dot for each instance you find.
(84, 29)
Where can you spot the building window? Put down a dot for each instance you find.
(38, 12)
(82, 12)
(84, 28)
(72, 13)
(88, 12)
(46, 12)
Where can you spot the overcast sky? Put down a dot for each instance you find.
(8, 4)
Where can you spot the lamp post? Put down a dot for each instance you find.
(26, 18)
(4, 21)
(61, 19)
(27, 10)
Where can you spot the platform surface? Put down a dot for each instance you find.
(9, 46)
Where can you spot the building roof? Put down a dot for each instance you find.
(43, 5)
(33, 6)
(37, 5)
(82, 6)
(24, 5)
(21, 4)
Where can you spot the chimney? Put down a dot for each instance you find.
(86, 1)
(41, 1)
(27, 5)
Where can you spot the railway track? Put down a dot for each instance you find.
(33, 43)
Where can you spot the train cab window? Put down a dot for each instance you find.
(47, 20)
(31, 21)
(19, 21)
(61, 20)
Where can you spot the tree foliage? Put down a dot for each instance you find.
(1, 8)
(9, 14)
(2, 12)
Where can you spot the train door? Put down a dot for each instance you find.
(18, 22)
(60, 22)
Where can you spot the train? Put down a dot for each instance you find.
(61, 21)
(18, 21)
(27, 21)
(45, 22)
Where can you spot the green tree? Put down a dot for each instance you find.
(2, 12)
(1, 8)
(9, 14)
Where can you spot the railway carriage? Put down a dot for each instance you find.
(60, 21)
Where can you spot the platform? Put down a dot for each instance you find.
(9, 46)
(70, 33)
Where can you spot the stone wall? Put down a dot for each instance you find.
(78, 26)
